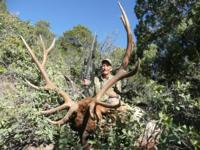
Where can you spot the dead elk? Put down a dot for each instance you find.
(88, 110)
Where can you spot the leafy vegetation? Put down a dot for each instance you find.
(166, 89)
(168, 40)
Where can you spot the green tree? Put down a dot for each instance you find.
(75, 44)
(20, 124)
(168, 39)
(3, 7)
(79, 39)
(43, 28)
(172, 27)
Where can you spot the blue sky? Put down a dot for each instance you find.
(100, 16)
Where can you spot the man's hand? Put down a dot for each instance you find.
(112, 94)
(86, 82)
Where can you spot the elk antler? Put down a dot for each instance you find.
(83, 120)
(122, 73)
(49, 85)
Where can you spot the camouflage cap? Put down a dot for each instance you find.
(107, 60)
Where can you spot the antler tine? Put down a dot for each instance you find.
(42, 42)
(31, 52)
(130, 42)
(53, 110)
(46, 51)
(65, 118)
(94, 103)
(32, 85)
(44, 74)
(52, 45)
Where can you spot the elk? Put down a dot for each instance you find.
(90, 109)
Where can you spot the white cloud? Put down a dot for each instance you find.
(15, 13)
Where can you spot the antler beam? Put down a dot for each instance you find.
(122, 73)
(49, 85)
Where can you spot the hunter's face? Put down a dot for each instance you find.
(106, 69)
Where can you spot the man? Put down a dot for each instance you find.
(106, 73)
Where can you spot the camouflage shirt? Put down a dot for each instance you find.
(99, 82)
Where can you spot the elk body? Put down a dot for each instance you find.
(87, 111)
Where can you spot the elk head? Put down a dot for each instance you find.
(88, 110)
